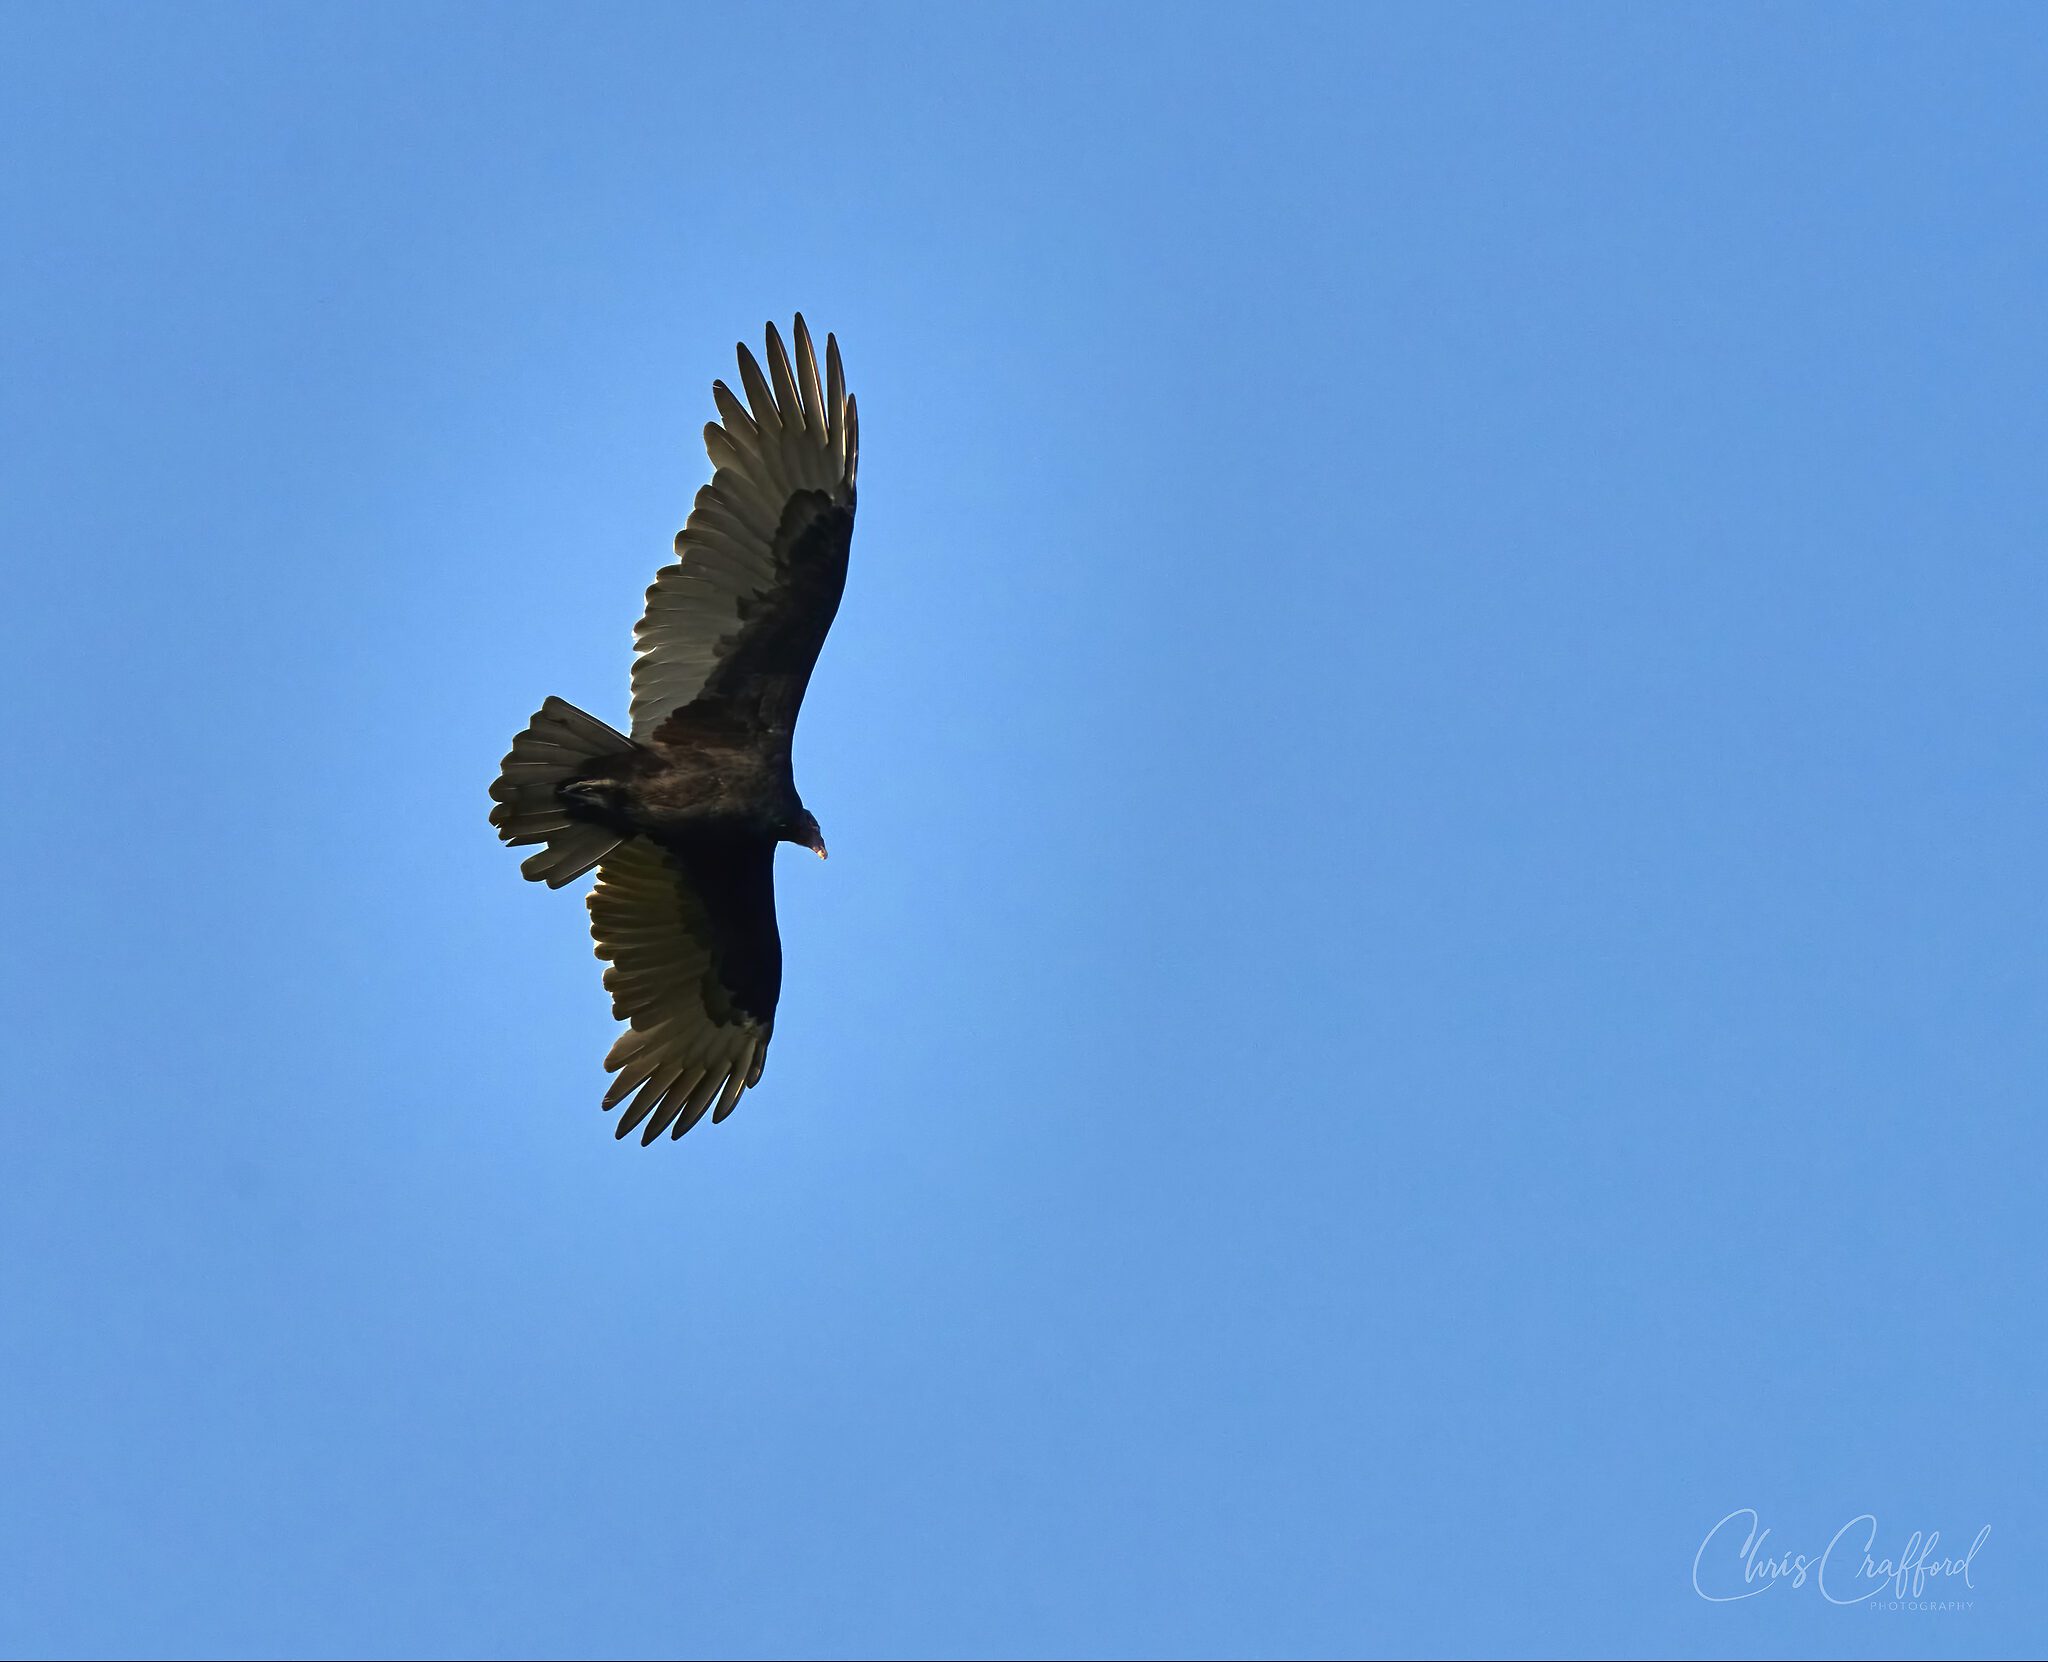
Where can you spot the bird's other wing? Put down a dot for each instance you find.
(738, 620)
(696, 967)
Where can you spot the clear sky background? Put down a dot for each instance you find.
(1433, 972)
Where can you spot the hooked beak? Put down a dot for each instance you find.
(817, 845)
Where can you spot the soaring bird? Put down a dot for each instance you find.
(681, 819)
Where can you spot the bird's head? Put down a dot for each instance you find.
(803, 831)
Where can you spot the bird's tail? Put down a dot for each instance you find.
(559, 745)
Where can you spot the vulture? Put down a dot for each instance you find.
(681, 817)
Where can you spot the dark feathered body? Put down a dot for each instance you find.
(713, 777)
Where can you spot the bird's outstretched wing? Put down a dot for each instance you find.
(696, 967)
(738, 620)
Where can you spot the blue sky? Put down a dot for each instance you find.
(1432, 976)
